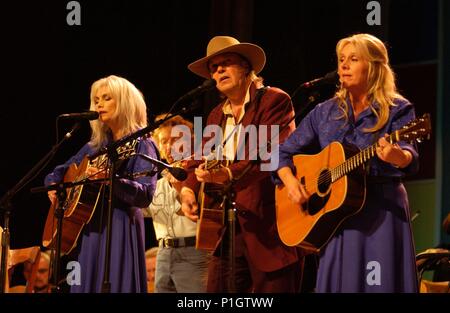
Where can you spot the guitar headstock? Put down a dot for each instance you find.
(210, 164)
(416, 130)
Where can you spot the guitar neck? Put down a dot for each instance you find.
(360, 158)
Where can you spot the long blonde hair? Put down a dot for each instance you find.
(380, 77)
(131, 110)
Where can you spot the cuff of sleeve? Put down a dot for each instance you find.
(187, 189)
(276, 179)
(287, 163)
(413, 166)
(410, 157)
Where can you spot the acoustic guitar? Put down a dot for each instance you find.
(212, 212)
(79, 208)
(81, 201)
(335, 179)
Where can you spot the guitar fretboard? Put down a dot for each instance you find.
(358, 159)
(416, 130)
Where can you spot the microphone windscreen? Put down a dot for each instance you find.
(332, 77)
(89, 115)
(179, 173)
(209, 83)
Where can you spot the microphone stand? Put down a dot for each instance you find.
(6, 206)
(229, 203)
(113, 157)
(159, 164)
(311, 99)
(61, 191)
(142, 132)
(59, 215)
(230, 208)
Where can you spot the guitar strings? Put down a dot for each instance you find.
(353, 162)
(348, 165)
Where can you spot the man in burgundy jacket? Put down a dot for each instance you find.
(262, 262)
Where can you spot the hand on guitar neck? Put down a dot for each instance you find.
(91, 173)
(330, 186)
(392, 153)
(52, 196)
(206, 174)
(189, 204)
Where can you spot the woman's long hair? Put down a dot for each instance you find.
(380, 77)
(131, 110)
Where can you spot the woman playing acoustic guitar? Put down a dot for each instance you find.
(372, 250)
(122, 111)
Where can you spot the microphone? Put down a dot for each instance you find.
(331, 78)
(140, 174)
(89, 115)
(207, 85)
(177, 172)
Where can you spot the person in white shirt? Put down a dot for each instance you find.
(180, 267)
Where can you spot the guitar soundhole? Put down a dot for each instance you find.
(324, 181)
(73, 194)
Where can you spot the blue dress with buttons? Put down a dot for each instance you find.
(372, 251)
(127, 261)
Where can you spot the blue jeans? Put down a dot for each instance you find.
(181, 269)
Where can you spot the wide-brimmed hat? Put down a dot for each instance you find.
(223, 44)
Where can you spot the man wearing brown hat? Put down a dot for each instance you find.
(262, 262)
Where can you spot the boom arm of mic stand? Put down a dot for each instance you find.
(68, 185)
(313, 97)
(35, 170)
(153, 161)
(144, 131)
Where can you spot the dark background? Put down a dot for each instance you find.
(48, 66)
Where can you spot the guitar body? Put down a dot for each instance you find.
(211, 222)
(312, 226)
(79, 209)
